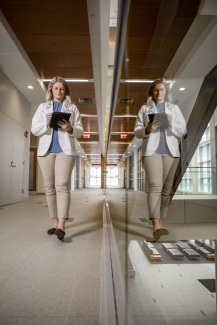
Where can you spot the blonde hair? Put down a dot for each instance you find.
(49, 94)
(168, 97)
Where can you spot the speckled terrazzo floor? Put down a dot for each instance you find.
(46, 281)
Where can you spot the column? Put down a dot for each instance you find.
(128, 173)
(73, 180)
(80, 172)
(103, 170)
(135, 169)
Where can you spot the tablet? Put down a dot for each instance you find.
(58, 116)
(159, 117)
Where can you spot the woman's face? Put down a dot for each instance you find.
(58, 91)
(159, 93)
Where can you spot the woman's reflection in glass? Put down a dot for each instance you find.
(160, 149)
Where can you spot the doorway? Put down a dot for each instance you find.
(11, 160)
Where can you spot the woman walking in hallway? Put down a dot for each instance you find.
(160, 149)
(56, 150)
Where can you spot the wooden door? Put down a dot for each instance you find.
(32, 169)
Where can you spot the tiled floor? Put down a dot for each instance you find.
(46, 281)
(170, 293)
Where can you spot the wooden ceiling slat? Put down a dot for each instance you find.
(79, 86)
(61, 59)
(48, 5)
(122, 109)
(122, 94)
(90, 124)
(65, 72)
(40, 23)
(55, 43)
(115, 137)
(93, 137)
(83, 94)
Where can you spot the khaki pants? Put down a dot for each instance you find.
(56, 170)
(159, 170)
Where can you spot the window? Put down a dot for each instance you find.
(199, 180)
(186, 184)
(95, 176)
(131, 171)
(204, 158)
(140, 172)
(112, 176)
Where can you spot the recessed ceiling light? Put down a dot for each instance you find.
(30, 87)
(69, 80)
(181, 88)
(134, 145)
(78, 151)
(128, 151)
(125, 115)
(82, 156)
(139, 80)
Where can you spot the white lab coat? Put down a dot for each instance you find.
(67, 141)
(173, 134)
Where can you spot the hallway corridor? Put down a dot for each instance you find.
(46, 281)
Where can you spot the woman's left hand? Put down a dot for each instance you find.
(169, 118)
(65, 125)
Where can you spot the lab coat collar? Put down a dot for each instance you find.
(152, 106)
(66, 103)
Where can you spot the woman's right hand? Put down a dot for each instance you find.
(153, 126)
(48, 117)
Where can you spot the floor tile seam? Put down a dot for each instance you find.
(23, 262)
(76, 283)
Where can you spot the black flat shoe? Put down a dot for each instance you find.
(59, 233)
(51, 231)
(166, 232)
(158, 233)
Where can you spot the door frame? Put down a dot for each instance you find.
(34, 169)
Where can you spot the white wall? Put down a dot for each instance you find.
(18, 108)
(87, 176)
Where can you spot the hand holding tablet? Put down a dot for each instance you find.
(58, 119)
(159, 120)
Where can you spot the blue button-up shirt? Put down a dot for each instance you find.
(55, 145)
(162, 147)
